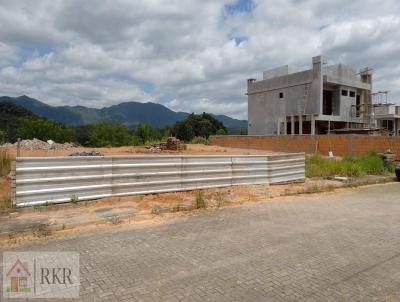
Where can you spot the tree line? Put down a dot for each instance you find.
(17, 122)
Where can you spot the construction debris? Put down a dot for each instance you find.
(91, 153)
(172, 144)
(37, 144)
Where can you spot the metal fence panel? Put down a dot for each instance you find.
(41, 180)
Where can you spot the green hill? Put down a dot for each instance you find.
(129, 114)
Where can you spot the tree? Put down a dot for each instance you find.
(82, 134)
(201, 125)
(10, 120)
(109, 134)
(44, 129)
(144, 133)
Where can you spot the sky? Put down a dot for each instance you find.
(190, 56)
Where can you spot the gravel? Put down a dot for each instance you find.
(37, 144)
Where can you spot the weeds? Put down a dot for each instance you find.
(220, 199)
(114, 220)
(200, 201)
(200, 140)
(6, 202)
(42, 230)
(5, 162)
(74, 199)
(370, 164)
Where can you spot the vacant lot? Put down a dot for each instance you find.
(192, 149)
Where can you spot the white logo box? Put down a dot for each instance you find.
(41, 275)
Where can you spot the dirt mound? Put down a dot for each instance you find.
(37, 144)
(172, 144)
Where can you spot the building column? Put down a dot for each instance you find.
(285, 126)
(312, 125)
(292, 124)
(278, 127)
(300, 124)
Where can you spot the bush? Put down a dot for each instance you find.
(220, 132)
(200, 140)
(372, 164)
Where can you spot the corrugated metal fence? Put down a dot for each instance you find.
(41, 180)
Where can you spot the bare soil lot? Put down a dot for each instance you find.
(20, 225)
(191, 149)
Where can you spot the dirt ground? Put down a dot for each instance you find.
(28, 223)
(192, 149)
(4, 186)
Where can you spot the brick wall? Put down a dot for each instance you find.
(341, 145)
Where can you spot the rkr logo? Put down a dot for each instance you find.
(55, 275)
(40, 275)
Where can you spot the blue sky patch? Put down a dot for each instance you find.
(41, 51)
(147, 87)
(239, 40)
(240, 6)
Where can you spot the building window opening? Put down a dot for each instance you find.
(344, 92)
(352, 94)
(358, 105)
(281, 95)
(388, 125)
(327, 104)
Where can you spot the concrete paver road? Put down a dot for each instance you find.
(337, 247)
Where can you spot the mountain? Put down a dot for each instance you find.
(128, 113)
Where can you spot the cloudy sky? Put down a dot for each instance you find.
(188, 55)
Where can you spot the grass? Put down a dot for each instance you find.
(42, 230)
(74, 199)
(370, 164)
(5, 162)
(200, 200)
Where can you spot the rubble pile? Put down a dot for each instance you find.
(172, 144)
(37, 144)
(90, 153)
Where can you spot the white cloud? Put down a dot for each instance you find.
(98, 53)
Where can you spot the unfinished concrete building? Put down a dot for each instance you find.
(387, 117)
(314, 101)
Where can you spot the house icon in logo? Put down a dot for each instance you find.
(18, 276)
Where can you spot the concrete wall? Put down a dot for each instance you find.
(279, 71)
(344, 75)
(265, 106)
(341, 145)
